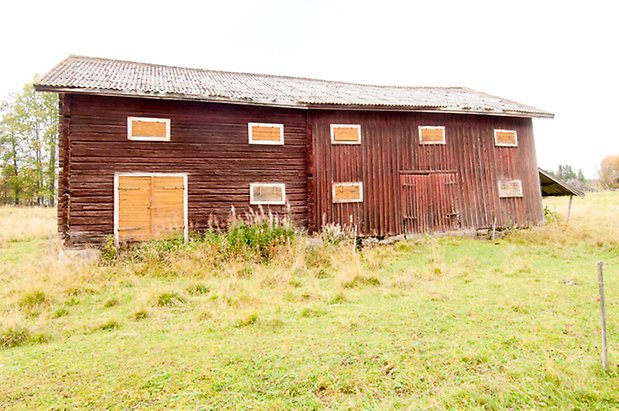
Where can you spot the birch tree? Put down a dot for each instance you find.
(28, 147)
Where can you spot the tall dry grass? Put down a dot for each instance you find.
(303, 270)
(594, 219)
(22, 223)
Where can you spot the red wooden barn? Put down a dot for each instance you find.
(146, 149)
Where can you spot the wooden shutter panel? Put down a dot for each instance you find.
(510, 188)
(150, 207)
(345, 134)
(432, 135)
(347, 192)
(167, 206)
(134, 208)
(506, 138)
(148, 129)
(266, 133)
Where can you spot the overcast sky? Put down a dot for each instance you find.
(560, 56)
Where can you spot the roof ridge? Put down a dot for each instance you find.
(116, 77)
(289, 77)
(503, 99)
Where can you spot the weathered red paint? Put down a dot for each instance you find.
(444, 186)
(209, 142)
(390, 160)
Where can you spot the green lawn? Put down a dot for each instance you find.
(430, 323)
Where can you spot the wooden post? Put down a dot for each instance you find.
(569, 209)
(603, 315)
(354, 241)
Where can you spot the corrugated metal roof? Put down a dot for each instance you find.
(126, 78)
(553, 187)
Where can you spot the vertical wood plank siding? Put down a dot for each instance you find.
(209, 142)
(390, 149)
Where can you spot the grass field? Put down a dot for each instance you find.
(432, 323)
(24, 232)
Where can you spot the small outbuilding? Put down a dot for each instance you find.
(147, 150)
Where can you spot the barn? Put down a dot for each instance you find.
(148, 149)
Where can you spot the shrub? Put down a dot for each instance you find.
(259, 235)
(109, 252)
(550, 216)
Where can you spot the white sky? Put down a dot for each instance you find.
(560, 56)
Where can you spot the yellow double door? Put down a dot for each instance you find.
(150, 206)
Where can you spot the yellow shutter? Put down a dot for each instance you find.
(346, 134)
(266, 133)
(347, 192)
(505, 138)
(134, 208)
(431, 135)
(167, 206)
(148, 128)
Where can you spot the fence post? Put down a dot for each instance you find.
(603, 314)
(569, 210)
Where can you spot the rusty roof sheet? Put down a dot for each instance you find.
(126, 78)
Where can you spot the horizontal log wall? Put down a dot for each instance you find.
(209, 142)
(390, 147)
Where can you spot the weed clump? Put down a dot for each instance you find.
(18, 335)
(109, 252)
(334, 234)
(362, 280)
(198, 289)
(308, 312)
(109, 325)
(14, 336)
(139, 315)
(259, 236)
(550, 216)
(249, 319)
(170, 299)
(60, 312)
(338, 298)
(33, 299)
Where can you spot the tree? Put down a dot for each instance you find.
(565, 172)
(609, 172)
(28, 140)
(581, 176)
